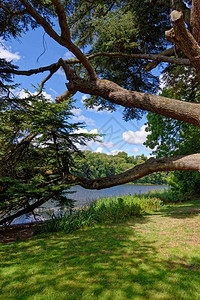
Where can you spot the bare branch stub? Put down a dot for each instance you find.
(180, 36)
(65, 96)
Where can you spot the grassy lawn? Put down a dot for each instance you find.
(154, 257)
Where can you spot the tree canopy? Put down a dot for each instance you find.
(126, 40)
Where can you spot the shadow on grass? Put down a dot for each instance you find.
(182, 210)
(107, 262)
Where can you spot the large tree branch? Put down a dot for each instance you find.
(65, 32)
(176, 109)
(28, 209)
(180, 36)
(42, 21)
(195, 20)
(156, 58)
(64, 39)
(178, 163)
(30, 72)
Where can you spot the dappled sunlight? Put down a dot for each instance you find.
(129, 260)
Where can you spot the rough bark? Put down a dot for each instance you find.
(176, 109)
(177, 163)
(180, 36)
(195, 20)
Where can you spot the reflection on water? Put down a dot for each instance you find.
(84, 197)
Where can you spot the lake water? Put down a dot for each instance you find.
(84, 197)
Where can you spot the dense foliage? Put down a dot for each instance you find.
(171, 137)
(37, 144)
(38, 141)
(96, 165)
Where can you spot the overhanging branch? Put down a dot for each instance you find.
(172, 108)
(178, 163)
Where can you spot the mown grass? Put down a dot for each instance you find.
(154, 257)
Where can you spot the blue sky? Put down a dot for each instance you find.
(118, 134)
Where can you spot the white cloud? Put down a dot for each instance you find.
(78, 117)
(46, 96)
(162, 83)
(94, 131)
(84, 97)
(100, 144)
(114, 152)
(23, 94)
(6, 52)
(84, 119)
(53, 91)
(68, 55)
(108, 145)
(76, 111)
(99, 150)
(135, 150)
(135, 137)
(81, 130)
(95, 109)
(149, 149)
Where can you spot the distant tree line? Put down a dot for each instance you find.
(93, 165)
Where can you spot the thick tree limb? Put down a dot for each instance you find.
(42, 21)
(64, 39)
(65, 32)
(66, 95)
(195, 20)
(176, 109)
(168, 52)
(179, 163)
(180, 36)
(30, 72)
(155, 57)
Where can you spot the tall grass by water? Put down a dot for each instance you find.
(105, 210)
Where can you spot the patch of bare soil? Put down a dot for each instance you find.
(16, 232)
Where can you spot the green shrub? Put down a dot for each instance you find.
(166, 196)
(105, 210)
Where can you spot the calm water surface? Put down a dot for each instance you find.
(84, 197)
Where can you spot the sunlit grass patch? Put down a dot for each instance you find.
(156, 257)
